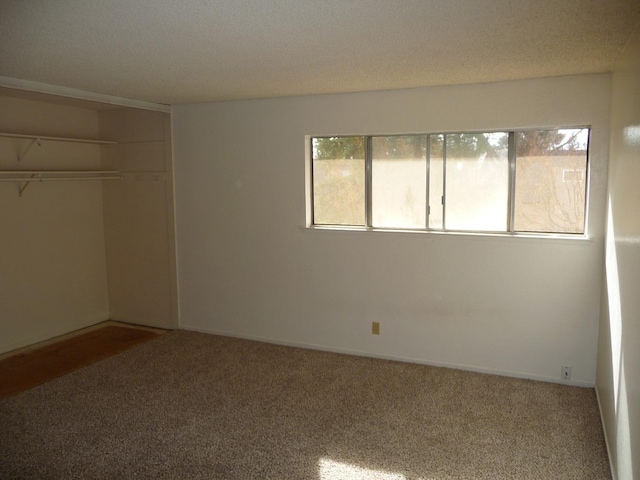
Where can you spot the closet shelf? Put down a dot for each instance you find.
(40, 138)
(28, 176)
(57, 139)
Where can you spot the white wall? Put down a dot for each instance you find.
(618, 374)
(52, 251)
(248, 267)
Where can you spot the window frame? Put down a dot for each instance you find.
(511, 197)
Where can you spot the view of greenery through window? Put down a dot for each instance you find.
(454, 182)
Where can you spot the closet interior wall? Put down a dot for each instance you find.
(76, 253)
(138, 214)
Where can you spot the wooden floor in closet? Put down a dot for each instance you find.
(31, 366)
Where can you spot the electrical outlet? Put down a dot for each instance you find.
(375, 328)
(566, 373)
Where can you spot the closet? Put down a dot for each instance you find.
(86, 216)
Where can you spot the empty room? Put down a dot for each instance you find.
(324, 240)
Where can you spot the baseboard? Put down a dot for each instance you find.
(604, 434)
(421, 361)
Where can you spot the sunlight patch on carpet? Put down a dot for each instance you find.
(332, 470)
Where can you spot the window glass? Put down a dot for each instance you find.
(339, 181)
(476, 182)
(399, 173)
(551, 175)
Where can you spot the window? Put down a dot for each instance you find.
(339, 181)
(550, 183)
(398, 187)
(529, 181)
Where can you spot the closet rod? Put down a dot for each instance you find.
(57, 139)
(58, 172)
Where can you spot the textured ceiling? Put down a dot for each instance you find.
(171, 52)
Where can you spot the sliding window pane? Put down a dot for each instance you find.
(399, 178)
(338, 181)
(436, 181)
(551, 175)
(477, 182)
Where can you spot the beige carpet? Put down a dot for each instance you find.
(190, 405)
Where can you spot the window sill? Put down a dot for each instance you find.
(546, 237)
